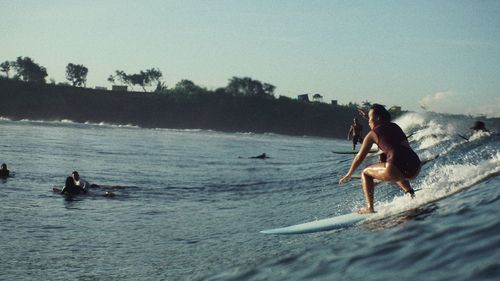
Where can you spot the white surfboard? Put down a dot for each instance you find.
(320, 225)
(354, 218)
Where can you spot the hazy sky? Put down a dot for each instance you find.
(442, 54)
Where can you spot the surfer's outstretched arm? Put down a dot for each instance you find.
(358, 159)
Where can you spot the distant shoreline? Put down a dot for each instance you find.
(22, 100)
(207, 111)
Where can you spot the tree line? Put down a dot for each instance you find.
(25, 69)
(244, 104)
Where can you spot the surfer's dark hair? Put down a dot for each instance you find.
(380, 111)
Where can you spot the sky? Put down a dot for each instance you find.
(443, 56)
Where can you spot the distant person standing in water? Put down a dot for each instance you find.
(355, 131)
(402, 163)
(4, 172)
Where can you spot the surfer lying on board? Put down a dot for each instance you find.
(402, 163)
(262, 156)
(355, 131)
(75, 185)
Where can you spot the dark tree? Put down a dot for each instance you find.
(5, 67)
(76, 74)
(246, 86)
(121, 76)
(188, 87)
(143, 78)
(268, 89)
(28, 70)
(153, 75)
(111, 79)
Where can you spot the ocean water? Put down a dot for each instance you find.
(189, 205)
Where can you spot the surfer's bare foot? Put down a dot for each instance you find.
(366, 211)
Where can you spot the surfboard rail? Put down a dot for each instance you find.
(320, 225)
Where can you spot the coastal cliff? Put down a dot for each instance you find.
(211, 111)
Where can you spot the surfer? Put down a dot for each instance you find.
(4, 172)
(355, 131)
(402, 163)
(76, 185)
(479, 127)
(85, 185)
(262, 156)
(79, 182)
(71, 188)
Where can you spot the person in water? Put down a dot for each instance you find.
(71, 188)
(355, 131)
(262, 156)
(401, 163)
(79, 182)
(76, 185)
(4, 172)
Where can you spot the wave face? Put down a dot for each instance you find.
(189, 205)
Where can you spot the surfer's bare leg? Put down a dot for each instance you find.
(406, 187)
(379, 171)
(368, 187)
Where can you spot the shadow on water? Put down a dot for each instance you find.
(411, 215)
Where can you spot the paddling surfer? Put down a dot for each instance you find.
(355, 131)
(402, 163)
(262, 156)
(76, 185)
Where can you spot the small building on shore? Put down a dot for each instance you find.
(304, 97)
(119, 88)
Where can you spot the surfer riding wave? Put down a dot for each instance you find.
(402, 162)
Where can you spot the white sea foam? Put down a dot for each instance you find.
(479, 135)
(411, 121)
(106, 124)
(440, 182)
